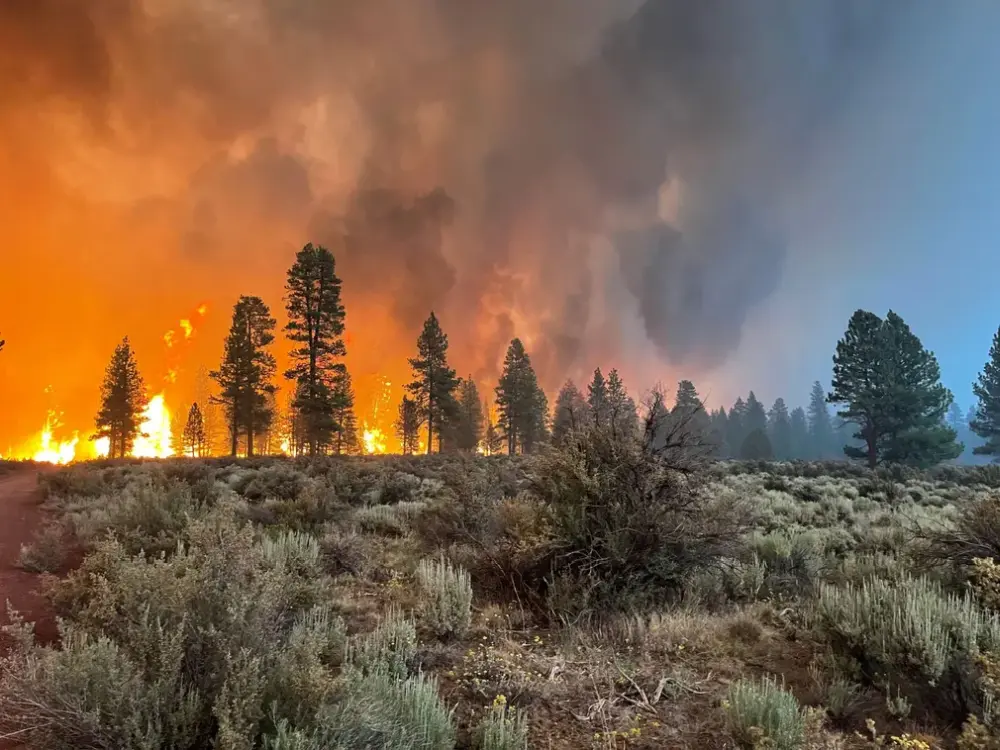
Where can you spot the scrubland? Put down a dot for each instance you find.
(598, 596)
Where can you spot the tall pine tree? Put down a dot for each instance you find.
(571, 413)
(597, 399)
(717, 433)
(434, 382)
(408, 425)
(688, 406)
(890, 387)
(779, 430)
(986, 423)
(244, 377)
(820, 426)
(345, 435)
(468, 432)
(756, 415)
(193, 439)
(520, 401)
(622, 415)
(316, 326)
(736, 431)
(123, 399)
(799, 430)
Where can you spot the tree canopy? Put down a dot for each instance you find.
(986, 421)
(434, 382)
(123, 399)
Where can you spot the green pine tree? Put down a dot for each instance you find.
(193, 439)
(468, 432)
(622, 414)
(756, 415)
(756, 447)
(521, 403)
(736, 431)
(408, 425)
(571, 413)
(688, 406)
(821, 439)
(316, 326)
(799, 429)
(986, 423)
(597, 400)
(123, 399)
(779, 430)
(717, 432)
(345, 435)
(244, 377)
(890, 387)
(434, 382)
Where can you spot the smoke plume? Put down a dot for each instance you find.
(600, 177)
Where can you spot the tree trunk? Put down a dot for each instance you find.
(235, 437)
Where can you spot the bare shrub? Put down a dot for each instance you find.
(974, 533)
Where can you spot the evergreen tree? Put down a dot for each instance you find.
(316, 326)
(799, 430)
(493, 439)
(756, 447)
(571, 412)
(520, 401)
(688, 406)
(736, 431)
(718, 431)
(408, 425)
(756, 415)
(890, 388)
(986, 422)
(345, 436)
(193, 439)
(469, 424)
(434, 383)
(244, 376)
(622, 415)
(123, 399)
(597, 400)
(820, 426)
(779, 430)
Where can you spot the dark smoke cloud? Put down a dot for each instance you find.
(468, 156)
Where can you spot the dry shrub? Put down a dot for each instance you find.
(974, 533)
(631, 520)
(47, 553)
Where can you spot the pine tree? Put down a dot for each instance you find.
(756, 447)
(820, 426)
(779, 430)
(345, 435)
(688, 406)
(597, 400)
(520, 401)
(193, 439)
(407, 425)
(986, 423)
(493, 440)
(756, 415)
(123, 399)
(622, 414)
(717, 432)
(736, 431)
(316, 326)
(244, 376)
(434, 383)
(468, 431)
(571, 413)
(890, 388)
(799, 430)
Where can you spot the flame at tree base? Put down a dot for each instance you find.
(155, 438)
(55, 452)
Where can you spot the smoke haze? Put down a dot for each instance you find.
(609, 180)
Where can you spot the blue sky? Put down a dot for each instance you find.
(898, 208)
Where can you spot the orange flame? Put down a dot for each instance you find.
(373, 437)
(54, 451)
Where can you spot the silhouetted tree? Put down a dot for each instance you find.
(493, 440)
(779, 430)
(622, 415)
(597, 399)
(756, 416)
(468, 432)
(244, 376)
(820, 426)
(756, 447)
(434, 383)
(571, 412)
(799, 429)
(193, 439)
(718, 431)
(123, 399)
(890, 387)
(986, 423)
(345, 435)
(736, 431)
(520, 401)
(316, 326)
(688, 404)
(408, 425)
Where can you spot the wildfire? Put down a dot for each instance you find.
(373, 437)
(53, 451)
(156, 438)
(187, 328)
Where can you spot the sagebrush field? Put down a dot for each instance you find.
(592, 597)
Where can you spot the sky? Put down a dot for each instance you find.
(702, 190)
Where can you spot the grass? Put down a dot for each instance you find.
(496, 603)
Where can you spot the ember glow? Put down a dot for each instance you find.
(377, 425)
(54, 451)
